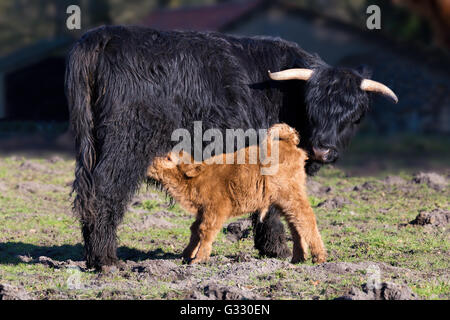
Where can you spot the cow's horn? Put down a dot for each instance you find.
(292, 74)
(374, 86)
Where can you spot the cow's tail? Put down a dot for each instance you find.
(79, 78)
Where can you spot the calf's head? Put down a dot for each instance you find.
(174, 168)
(336, 101)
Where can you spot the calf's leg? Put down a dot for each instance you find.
(191, 250)
(211, 221)
(303, 226)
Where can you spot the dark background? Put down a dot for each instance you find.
(410, 54)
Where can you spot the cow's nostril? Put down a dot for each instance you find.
(321, 154)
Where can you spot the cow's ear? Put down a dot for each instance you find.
(192, 169)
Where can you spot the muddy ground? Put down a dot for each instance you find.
(387, 237)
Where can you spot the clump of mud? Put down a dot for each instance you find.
(394, 181)
(161, 269)
(382, 291)
(215, 291)
(334, 203)
(316, 189)
(435, 218)
(242, 257)
(365, 186)
(432, 179)
(55, 264)
(8, 292)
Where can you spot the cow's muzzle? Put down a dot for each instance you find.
(325, 155)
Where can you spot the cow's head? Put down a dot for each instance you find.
(336, 101)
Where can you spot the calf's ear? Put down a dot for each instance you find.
(191, 170)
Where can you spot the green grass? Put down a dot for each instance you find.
(36, 220)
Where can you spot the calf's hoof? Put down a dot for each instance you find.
(199, 259)
(319, 258)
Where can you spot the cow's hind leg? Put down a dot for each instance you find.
(269, 234)
(124, 153)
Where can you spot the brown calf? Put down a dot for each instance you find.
(216, 192)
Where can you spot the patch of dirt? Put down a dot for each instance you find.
(216, 291)
(200, 282)
(138, 211)
(365, 186)
(33, 166)
(238, 230)
(240, 271)
(382, 291)
(36, 187)
(3, 187)
(8, 292)
(49, 262)
(242, 257)
(394, 181)
(17, 158)
(151, 221)
(432, 179)
(193, 279)
(334, 203)
(316, 189)
(55, 159)
(340, 268)
(164, 214)
(160, 268)
(435, 218)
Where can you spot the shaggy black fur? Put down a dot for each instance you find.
(270, 237)
(128, 88)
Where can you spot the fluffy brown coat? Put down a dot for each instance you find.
(217, 192)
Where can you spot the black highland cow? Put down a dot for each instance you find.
(128, 88)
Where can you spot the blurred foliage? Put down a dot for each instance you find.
(47, 128)
(25, 21)
(397, 22)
